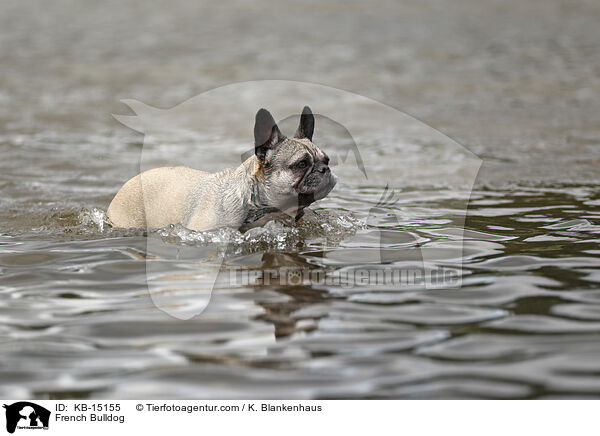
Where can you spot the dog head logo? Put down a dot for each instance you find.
(26, 415)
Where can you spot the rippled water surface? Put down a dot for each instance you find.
(517, 85)
(77, 319)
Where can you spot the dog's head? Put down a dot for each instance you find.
(295, 171)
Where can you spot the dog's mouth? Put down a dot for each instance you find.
(305, 199)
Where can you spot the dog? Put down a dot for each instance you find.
(282, 177)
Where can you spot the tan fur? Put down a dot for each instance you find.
(154, 198)
(181, 195)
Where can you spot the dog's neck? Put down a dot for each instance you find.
(251, 174)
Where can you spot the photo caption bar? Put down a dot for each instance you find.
(296, 416)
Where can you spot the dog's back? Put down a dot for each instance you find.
(154, 198)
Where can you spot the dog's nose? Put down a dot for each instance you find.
(324, 169)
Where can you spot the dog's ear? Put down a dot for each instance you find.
(307, 124)
(266, 134)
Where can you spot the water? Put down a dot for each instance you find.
(76, 318)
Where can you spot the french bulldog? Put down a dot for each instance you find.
(282, 177)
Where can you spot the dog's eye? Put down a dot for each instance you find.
(302, 164)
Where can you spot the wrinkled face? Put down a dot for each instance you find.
(297, 174)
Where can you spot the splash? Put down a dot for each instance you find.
(327, 226)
